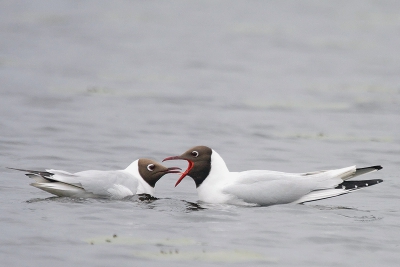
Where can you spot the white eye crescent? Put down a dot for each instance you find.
(195, 153)
(151, 167)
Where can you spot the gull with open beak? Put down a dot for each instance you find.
(216, 184)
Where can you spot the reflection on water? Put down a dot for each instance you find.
(169, 204)
(351, 212)
(144, 198)
(145, 201)
(60, 200)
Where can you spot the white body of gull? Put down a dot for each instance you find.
(139, 177)
(216, 184)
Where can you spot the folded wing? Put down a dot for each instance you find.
(114, 184)
(270, 187)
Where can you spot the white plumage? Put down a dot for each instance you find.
(216, 184)
(138, 178)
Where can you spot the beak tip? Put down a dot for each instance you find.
(171, 158)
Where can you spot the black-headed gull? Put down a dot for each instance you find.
(139, 177)
(216, 184)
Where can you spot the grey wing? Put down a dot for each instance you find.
(267, 187)
(270, 187)
(349, 173)
(59, 183)
(116, 184)
(51, 176)
(64, 177)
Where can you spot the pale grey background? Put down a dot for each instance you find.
(283, 85)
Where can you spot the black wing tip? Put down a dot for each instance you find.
(41, 173)
(22, 170)
(352, 185)
(376, 181)
(376, 167)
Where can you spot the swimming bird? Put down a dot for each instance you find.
(216, 184)
(139, 177)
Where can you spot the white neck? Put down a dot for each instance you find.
(210, 189)
(143, 186)
(218, 166)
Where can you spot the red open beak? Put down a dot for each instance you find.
(190, 166)
(173, 170)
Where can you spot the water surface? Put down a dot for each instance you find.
(289, 86)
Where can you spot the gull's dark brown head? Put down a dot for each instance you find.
(199, 159)
(152, 171)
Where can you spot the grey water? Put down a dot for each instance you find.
(290, 86)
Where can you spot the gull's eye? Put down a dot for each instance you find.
(195, 154)
(151, 167)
